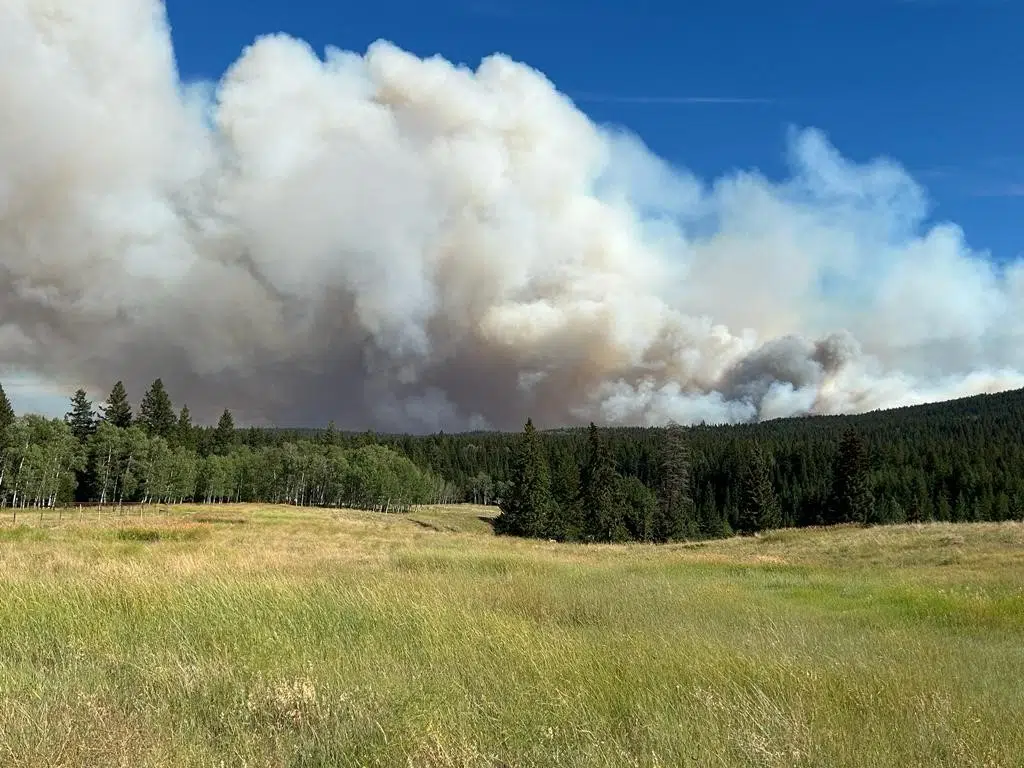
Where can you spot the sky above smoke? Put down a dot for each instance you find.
(403, 244)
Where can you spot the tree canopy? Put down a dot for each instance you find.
(117, 411)
(156, 413)
(961, 461)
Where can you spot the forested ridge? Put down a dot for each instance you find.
(960, 460)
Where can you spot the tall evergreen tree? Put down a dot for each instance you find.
(675, 517)
(81, 418)
(598, 483)
(224, 435)
(117, 411)
(565, 488)
(156, 414)
(527, 505)
(6, 416)
(82, 422)
(758, 503)
(330, 435)
(851, 499)
(184, 435)
(639, 507)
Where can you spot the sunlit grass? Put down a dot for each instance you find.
(246, 635)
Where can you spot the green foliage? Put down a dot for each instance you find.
(641, 510)
(39, 467)
(569, 522)
(117, 411)
(527, 507)
(6, 417)
(959, 461)
(851, 499)
(81, 418)
(674, 517)
(184, 432)
(156, 414)
(224, 436)
(129, 465)
(598, 484)
(758, 504)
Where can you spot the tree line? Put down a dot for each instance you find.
(960, 461)
(158, 456)
(592, 500)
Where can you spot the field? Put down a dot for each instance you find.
(267, 636)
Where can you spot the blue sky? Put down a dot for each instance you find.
(934, 84)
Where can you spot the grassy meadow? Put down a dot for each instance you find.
(270, 636)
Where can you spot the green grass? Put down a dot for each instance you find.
(261, 636)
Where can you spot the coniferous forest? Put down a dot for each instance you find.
(955, 461)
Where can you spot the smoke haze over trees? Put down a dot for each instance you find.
(403, 244)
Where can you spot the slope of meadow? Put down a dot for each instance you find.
(261, 636)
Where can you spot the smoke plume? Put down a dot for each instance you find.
(401, 243)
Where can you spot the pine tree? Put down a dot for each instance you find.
(598, 483)
(851, 499)
(639, 506)
(81, 418)
(565, 488)
(156, 414)
(674, 518)
(330, 435)
(711, 523)
(117, 411)
(6, 416)
(184, 435)
(224, 435)
(527, 504)
(758, 503)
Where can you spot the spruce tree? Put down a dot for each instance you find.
(598, 483)
(81, 418)
(674, 518)
(758, 504)
(851, 499)
(156, 414)
(224, 435)
(184, 435)
(565, 488)
(6, 416)
(117, 411)
(527, 505)
(330, 435)
(710, 522)
(639, 507)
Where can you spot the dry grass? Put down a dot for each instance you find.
(271, 636)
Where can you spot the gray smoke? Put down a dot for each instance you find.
(405, 244)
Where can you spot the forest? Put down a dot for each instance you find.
(955, 461)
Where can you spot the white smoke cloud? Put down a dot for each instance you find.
(405, 244)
